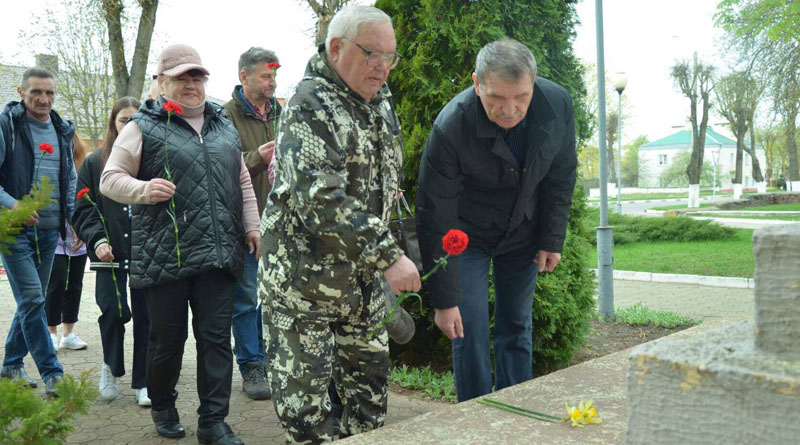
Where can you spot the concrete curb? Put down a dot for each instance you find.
(699, 280)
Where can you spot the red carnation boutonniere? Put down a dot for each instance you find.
(84, 193)
(454, 242)
(172, 108)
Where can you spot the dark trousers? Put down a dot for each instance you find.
(63, 302)
(112, 325)
(210, 295)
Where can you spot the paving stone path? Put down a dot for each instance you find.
(124, 422)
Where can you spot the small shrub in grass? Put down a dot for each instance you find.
(27, 419)
(436, 385)
(630, 229)
(640, 315)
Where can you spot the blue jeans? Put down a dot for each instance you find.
(248, 332)
(28, 279)
(514, 284)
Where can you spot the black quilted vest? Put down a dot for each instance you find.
(208, 198)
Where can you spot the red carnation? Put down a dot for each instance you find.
(45, 147)
(455, 242)
(273, 65)
(173, 107)
(83, 191)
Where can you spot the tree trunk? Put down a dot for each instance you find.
(791, 147)
(757, 176)
(126, 84)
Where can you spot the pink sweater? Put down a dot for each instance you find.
(119, 182)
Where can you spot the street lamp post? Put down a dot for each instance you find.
(619, 85)
(715, 157)
(605, 238)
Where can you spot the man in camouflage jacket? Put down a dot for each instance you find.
(325, 229)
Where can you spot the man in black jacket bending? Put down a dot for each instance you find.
(500, 165)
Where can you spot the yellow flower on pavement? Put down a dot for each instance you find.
(584, 414)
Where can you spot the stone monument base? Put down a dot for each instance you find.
(716, 388)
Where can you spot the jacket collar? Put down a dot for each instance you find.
(16, 109)
(238, 97)
(540, 109)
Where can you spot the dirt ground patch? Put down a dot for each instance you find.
(608, 338)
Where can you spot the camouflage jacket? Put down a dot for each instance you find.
(325, 226)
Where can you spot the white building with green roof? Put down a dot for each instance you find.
(658, 155)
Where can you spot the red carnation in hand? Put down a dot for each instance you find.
(45, 147)
(455, 242)
(173, 107)
(83, 191)
(273, 65)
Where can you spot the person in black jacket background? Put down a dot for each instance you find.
(499, 164)
(113, 256)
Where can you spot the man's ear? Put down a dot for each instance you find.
(477, 84)
(19, 90)
(242, 77)
(335, 49)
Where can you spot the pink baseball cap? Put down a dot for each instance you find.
(177, 59)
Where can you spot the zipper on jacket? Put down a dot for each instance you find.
(212, 203)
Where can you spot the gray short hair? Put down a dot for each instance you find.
(348, 20)
(39, 73)
(255, 55)
(508, 59)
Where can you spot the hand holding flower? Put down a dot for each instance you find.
(159, 190)
(84, 193)
(104, 252)
(454, 242)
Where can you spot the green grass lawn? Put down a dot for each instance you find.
(723, 216)
(727, 258)
(793, 207)
(680, 207)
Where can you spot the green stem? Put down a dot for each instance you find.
(35, 229)
(530, 411)
(172, 212)
(111, 263)
(520, 411)
(69, 265)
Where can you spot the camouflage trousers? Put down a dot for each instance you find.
(305, 351)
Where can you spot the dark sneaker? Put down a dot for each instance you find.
(219, 434)
(19, 373)
(254, 381)
(50, 385)
(168, 423)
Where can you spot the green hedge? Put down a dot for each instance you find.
(630, 229)
(562, 308)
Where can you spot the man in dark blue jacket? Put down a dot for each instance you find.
(500, 165)
(24, 127)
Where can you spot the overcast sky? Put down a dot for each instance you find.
(642, 38)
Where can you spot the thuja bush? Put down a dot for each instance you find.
(630, 229)
(562, 308)
(27, 419)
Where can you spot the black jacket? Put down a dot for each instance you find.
(208, 198)
(86, 221)
(470, 180)
(16, 173)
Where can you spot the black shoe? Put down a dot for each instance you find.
(219, 434)
(50, 385)
(254, 381)
(168, 423)
(19, 373)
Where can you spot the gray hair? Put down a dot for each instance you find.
(348, 20)
(253, 56)
(39, 73)
(507, 59)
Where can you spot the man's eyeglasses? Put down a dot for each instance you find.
(374, 57)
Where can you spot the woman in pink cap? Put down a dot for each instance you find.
(196, 265)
